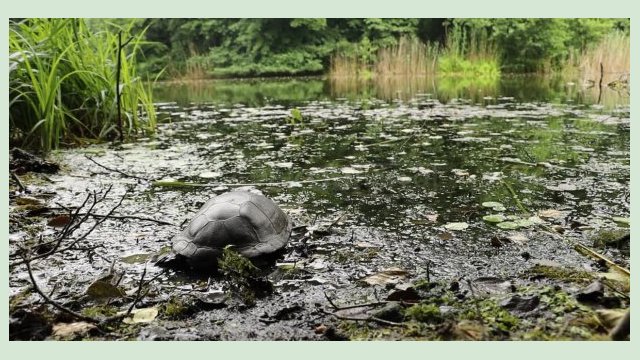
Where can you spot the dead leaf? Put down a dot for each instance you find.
(551, 214)
(433, 217)
(72, 330)
(518, 238)
(28, 200)
(610, 317)
(386, 276)
(59, 221)
(103, 290)
(145, 315)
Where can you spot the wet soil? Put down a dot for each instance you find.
(392, 204)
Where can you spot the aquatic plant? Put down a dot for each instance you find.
(63, 83)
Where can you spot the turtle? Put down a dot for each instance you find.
(252, 223)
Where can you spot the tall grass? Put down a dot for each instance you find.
(613, 52)
(409, 56)
(469, 52)
(344, 65)
(62, 83)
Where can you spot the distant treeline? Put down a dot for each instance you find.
(264, 47)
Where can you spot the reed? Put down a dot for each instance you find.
(62, 83)
(614, 53)
(409, 56)
(469, 52)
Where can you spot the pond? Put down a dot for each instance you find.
(401, 180)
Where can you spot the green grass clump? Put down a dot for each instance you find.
(62, 83)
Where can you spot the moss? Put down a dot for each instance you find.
(489, 313)
(242, 277)
(608, 238)
(175, 308)
(559, 273)
(99, 311)
(426, 313)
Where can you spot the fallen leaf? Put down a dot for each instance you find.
(103, 290)
(59, 221)
(456, 226)
(28, 200)
(145, 315)
(551, 214)
(386, 276)
(72, 330)
(518, 238)
(610, 317)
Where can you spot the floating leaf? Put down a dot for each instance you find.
(456, 226)
(496, 218)
(524, 223)
(494, 205)
(563, 187)
(386, 276)
(136, 258)
(621, 220)
(350, 171)
(210, 174)
(508, 225)
(283, 165)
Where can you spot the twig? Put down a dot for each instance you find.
(133, 217)
(368, 318)
(122, 217)
(477, 306)
(184, 184)
(137, 298)
(17, 179)
(115, 170)
(68, 230)
(48, 300)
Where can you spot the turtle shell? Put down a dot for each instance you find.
(252, 223)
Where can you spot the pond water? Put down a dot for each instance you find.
(406, 173)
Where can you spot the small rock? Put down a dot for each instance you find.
(390, 312)
(154, 333)
(593, 292)
(521, 303)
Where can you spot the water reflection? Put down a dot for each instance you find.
(260, 92)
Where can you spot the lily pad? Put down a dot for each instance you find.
(494, 205)
(496, 218)
(524, 223)
(456, 226)
(621, 220)
(508, 225)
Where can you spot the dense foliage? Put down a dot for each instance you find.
(63, 83)
(256, 47)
